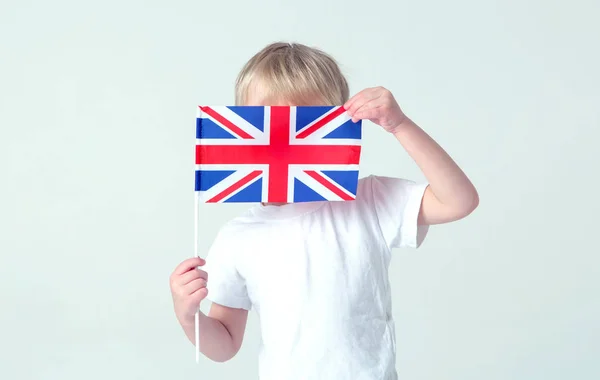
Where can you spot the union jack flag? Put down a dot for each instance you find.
(276, 154)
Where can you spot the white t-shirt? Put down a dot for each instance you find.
(317, 275)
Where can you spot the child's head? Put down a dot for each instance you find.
(291, 74)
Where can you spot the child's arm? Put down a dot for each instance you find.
(450, 195)
(222, 331)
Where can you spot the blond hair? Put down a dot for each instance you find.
(292, 72)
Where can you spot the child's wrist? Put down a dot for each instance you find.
(405, 124)
(187, 321)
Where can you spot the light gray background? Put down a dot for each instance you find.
(97, 107)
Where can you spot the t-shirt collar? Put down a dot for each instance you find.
(286, 211)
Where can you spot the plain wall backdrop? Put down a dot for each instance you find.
(97, 116)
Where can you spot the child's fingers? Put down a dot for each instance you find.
(199, 294)
(188, 277)
(192, 275)
(361, 101)
(367, 111)
(357, 105)
(354, 98)
(366, 115)
(353, 103)
(194, 286)
(359, 98)
(188, 264)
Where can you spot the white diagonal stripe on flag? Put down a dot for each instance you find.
(327, 129)
(332, 110)
(316, 186)
(235, 119)
(226, 183)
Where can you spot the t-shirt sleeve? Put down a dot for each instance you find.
(397, 203)
(225, 285)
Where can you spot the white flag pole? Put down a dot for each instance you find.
(196, 253)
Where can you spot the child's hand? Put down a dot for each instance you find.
(377, 105)
(188, 288)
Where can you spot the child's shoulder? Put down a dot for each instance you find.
(377, 185)
(379, 178)
(234, 233)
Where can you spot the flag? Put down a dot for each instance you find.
(276, 154)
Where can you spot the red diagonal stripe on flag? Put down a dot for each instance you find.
(232, 127)
(235, 186)
(316, 126)
(334, 189)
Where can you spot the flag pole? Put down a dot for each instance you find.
(196, 250)
(196, 253)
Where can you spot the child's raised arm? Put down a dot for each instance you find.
(450, 195)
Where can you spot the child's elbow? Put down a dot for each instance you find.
(227, 355)
(470, 204)
(222, 358)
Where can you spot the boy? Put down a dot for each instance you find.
(317, 273)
